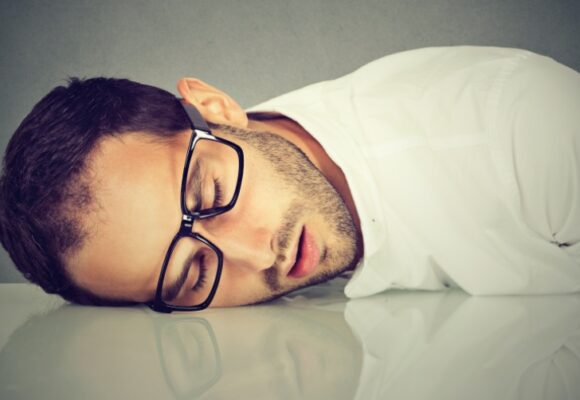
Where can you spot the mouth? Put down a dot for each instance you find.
(307, 256)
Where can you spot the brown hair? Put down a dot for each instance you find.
(43, 192)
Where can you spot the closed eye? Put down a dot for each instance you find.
(218, 194)
(201, 279)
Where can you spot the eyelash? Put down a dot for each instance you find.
(202, 275)
(218, 193)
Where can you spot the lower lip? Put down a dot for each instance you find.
(309, 256)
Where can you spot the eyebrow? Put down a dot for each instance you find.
(176, 286)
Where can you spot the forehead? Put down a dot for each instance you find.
(136, 186)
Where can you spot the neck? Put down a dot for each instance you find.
(296, 134)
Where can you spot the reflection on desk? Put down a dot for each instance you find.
(312, 344)
(451, 346)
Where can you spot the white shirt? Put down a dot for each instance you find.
(423, 138)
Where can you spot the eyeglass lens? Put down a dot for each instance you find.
(211, 183)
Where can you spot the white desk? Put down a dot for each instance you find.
(310, 345)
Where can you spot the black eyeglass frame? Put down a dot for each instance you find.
(200, 131)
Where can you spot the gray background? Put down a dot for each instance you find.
(253, 49)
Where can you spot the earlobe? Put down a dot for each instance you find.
(213, 104)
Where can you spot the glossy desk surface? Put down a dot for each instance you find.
(313, 344)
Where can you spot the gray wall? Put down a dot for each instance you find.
(252, 49)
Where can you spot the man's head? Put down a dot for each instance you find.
(90, 196)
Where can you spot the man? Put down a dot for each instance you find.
(426, 169)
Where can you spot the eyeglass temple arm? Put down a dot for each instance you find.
(195, 117)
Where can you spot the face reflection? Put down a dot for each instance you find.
(283, 198)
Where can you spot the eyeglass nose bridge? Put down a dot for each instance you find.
(187, 222)
(186, 229)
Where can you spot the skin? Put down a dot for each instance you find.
(136, 183)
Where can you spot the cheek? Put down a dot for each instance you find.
(257, 216)
(263, 199)
(238, 287)
(254, 220)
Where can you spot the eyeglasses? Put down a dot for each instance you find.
(210, 186)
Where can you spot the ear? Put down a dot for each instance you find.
(214, 105)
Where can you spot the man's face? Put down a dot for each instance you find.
(136, 182)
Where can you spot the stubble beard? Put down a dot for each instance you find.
(313, 195)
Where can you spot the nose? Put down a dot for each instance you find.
(246, 247)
